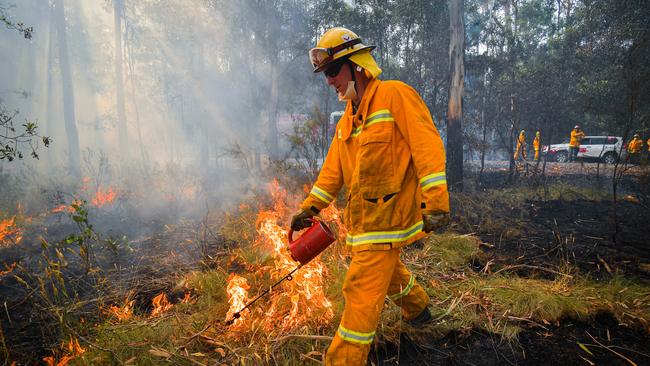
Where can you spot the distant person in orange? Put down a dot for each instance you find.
(536, 145)
(634, 149)
(574, 144)
(521, 145)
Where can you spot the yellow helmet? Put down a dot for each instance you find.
(537, 133)
(339, 43)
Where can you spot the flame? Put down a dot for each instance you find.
(9, 269)
(121, 313)
(302, 300)
(62, 208)
(9, 233)
(103, 197)
(237, 291)
(74, 349)
(187, 298)
(160, 304)
(51, 360)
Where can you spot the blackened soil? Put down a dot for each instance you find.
(582, 232)
(553, 345)
(597, 236)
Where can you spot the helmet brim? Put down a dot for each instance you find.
(323, 66)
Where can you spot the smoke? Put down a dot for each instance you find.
(203, 84)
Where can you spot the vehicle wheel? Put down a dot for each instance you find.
(609, 158)
(562, 157)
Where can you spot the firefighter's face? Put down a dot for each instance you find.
(338, 76)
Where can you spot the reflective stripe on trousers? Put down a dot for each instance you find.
(372, 276)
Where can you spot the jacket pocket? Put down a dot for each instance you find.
(380, 211)
(376, 155)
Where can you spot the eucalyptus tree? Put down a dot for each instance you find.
(74, 155)
(455, 109)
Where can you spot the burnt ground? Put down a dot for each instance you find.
(577, 230)
(555, 345)
(597, 236)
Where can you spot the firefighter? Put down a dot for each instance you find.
(574, 144)
(388, 154)
(634, 148)
(521, 145)
(536, 145)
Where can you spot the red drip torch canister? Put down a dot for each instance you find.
(311, 243)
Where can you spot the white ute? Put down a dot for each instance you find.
(604, 148)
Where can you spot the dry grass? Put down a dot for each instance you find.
(462, 299)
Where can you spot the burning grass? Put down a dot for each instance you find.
(462, 298)
(294, 323)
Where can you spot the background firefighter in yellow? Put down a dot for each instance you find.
(574, 143)
(389, 156)
(521, 145)
(536, 145)
(634, 148)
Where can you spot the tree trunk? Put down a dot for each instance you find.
(51, 122)
(273, 111)
(455, 106)
(74, 155)
(131, 65)
(118, 9)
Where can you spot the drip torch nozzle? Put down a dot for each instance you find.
(237, 315)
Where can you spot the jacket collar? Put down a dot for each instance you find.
(345, 131)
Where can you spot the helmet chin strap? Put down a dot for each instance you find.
(351, 91)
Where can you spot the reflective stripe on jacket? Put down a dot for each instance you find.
(391, 160)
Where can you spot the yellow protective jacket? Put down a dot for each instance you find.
(576, 137)
(522, 139)
(635, 146)
(648, 143)
(536, 143)
(391, 160)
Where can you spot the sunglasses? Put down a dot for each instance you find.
(334, 69)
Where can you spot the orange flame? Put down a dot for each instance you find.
(74, 347)
(62, 208)
(103, 197)
(121, 313)
(9, 233)
(74, 350)
(9, 269)
(237, 291)
(160, 304)
(302, 300)
(187, 298)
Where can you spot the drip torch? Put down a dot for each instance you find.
(307, 247)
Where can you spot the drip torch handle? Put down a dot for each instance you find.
(290, 234)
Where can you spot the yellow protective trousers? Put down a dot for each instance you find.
(372, 276)
(520, 148)
(536, 154)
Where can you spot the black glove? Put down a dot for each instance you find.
(300, 220)
(434, 221)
